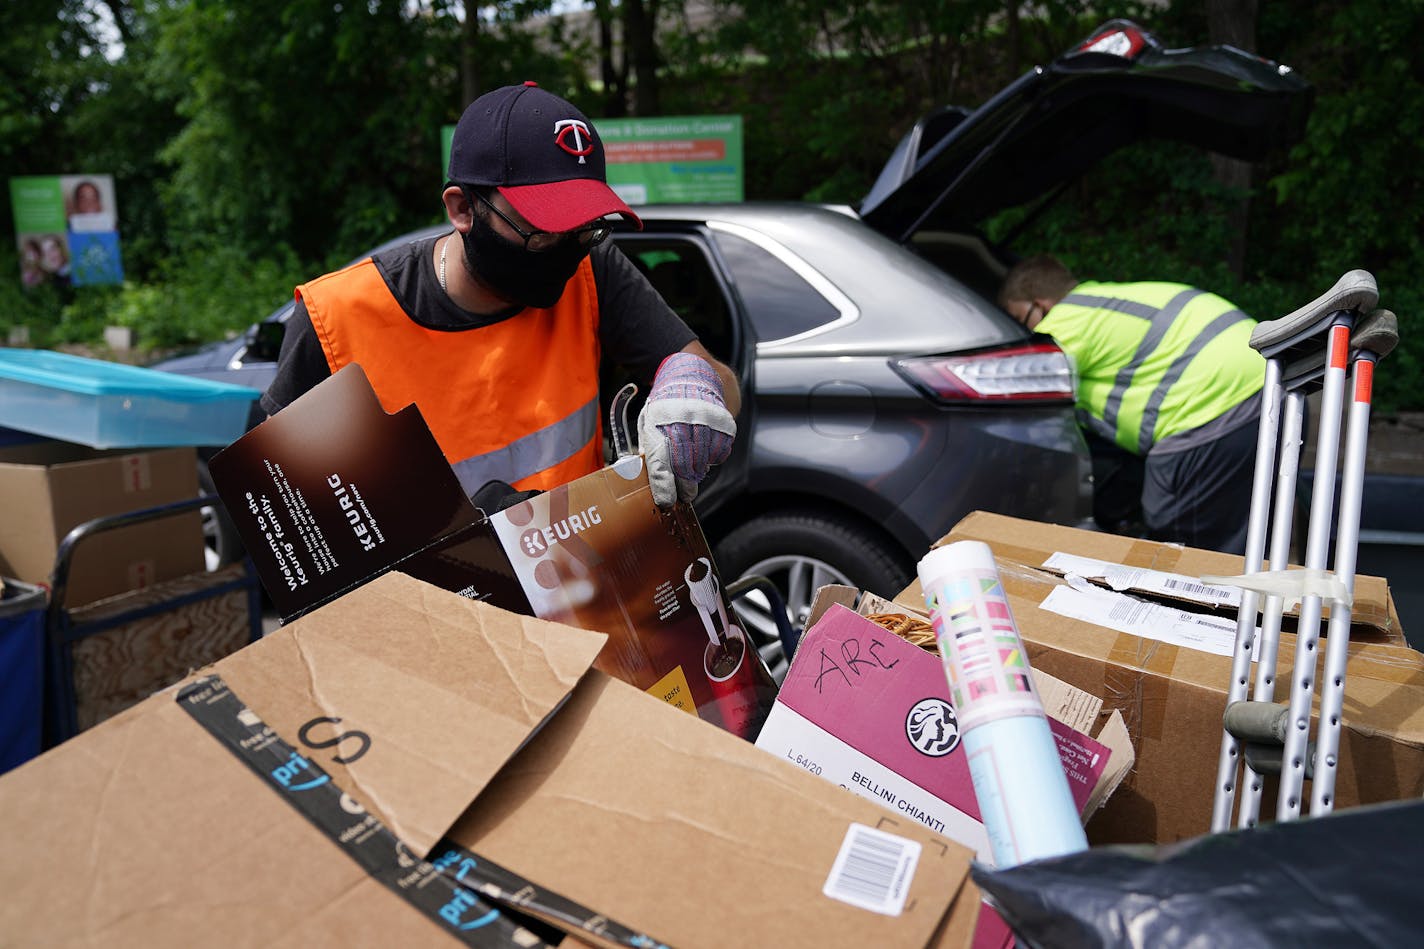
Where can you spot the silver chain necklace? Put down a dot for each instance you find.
(443, 247)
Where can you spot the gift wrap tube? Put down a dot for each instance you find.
(1023, 795)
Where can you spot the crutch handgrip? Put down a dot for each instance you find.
(1260, 723)
(1377, 333)
(1275, 339)
(1267, 759)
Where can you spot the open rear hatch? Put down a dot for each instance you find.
(958, 167)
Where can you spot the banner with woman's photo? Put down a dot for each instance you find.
(66, 230)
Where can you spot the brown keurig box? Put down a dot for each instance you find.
(1167, 666)
(404, 766)
(333, 491)
(48, 488)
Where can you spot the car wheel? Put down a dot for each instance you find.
(801, 552)
(220, 540)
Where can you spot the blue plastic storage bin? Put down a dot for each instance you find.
(22, 611)
(111, 405)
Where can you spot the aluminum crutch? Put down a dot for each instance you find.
(1376, 338)
(1261, 725)
(1288, 344)
(1261, 752)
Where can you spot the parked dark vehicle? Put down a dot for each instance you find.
(885, 395)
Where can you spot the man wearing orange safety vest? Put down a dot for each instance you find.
(1166, 375)
(497, 330)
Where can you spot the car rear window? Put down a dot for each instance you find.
(778, 301)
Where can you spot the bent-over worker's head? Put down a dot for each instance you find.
(1034, 286)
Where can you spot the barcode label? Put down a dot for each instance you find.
(1201, 589)
(873, 870)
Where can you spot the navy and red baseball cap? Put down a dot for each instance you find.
(542, 154)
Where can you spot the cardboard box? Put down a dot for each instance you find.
(1167, 669)
(1167, 574)
(866, 709)
(332, 492)
(386, 769)
(48, 488)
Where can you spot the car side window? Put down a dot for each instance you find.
(779, 302)
(682, 275)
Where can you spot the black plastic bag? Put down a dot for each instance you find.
(1349, 879)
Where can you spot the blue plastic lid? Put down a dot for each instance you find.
(98, 377)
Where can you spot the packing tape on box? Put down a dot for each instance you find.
(455, 888)
(1142, 698)
(1004, 553)
(1154, 555)
(1291, 586)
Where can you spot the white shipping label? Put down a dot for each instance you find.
(1121, 578)
(873, 870)
(1213, 634)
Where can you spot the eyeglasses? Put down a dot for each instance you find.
(541, 241)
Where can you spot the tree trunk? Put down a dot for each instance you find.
(1233, 22)
(1015, 37)
(470, 82)
(639, 23)
(613, 72)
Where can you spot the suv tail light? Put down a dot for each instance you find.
(1120, 38)
(1035, 371)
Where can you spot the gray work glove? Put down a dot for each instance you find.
(684, 427)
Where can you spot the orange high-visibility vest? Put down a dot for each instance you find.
(516, 401)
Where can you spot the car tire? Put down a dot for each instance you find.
(799, 552)
(220, 540)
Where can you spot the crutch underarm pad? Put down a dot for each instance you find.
(1292, 586)
(1356, 291)
(1377, 333)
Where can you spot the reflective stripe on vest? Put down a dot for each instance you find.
(1221, 324)
(1126, 389)
(535, 452)
(1160, 320)
(515, 401)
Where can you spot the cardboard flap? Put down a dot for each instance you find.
(317, 500)
(412, 698)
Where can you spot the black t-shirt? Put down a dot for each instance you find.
(636, 329)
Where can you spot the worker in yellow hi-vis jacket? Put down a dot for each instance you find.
(1165, 373)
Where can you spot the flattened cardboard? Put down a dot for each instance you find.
(162, 836)
(1172, 698)
(690, 834)
(333, 491)
(454, 691)
(48, 488)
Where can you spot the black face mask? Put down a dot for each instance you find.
(518, 275)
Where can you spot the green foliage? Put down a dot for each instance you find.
(212, 292)
(256, 143)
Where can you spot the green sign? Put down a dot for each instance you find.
(664, 160)
(66, 230)
(674, 158)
